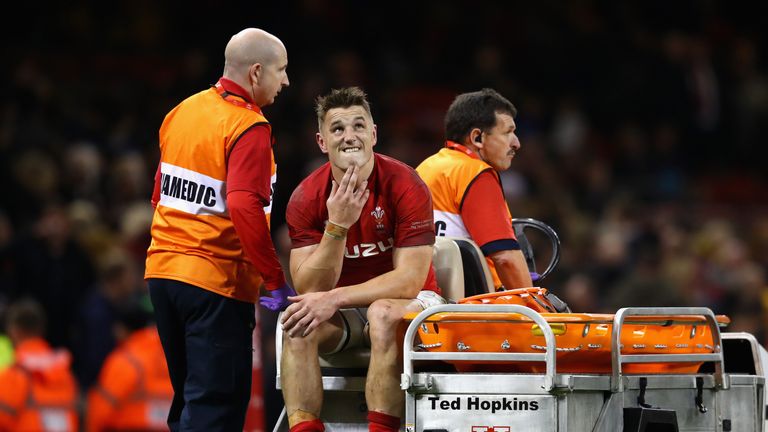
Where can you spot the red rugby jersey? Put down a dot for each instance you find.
(398, 213)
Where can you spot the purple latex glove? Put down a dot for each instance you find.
(535, 276)
(278, 299)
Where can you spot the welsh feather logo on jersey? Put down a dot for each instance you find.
(378, 214)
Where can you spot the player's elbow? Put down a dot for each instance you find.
(412, 267)
(412, 290)
(318, 281)
(414, 283)
(309, 286)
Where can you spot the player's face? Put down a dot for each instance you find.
(501, 143)
(347, 135)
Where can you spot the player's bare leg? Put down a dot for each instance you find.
(300, 371)
(382, 387)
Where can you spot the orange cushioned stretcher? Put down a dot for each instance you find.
(583, 340)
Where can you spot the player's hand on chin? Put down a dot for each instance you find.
(347, 198)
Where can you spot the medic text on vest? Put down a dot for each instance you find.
(188, 190)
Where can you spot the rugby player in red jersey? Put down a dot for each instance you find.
(362, 233)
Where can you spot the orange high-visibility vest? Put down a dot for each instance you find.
(193, 238)
(134, 390)
(448, 174)
(38, 393)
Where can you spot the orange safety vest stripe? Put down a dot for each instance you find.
(193, 238)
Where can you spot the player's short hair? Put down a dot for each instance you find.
(475, 110)
(341, 98)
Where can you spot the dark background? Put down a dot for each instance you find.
(643, 129)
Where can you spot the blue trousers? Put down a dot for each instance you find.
(208, 344)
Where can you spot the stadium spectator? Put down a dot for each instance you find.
(134, 390)
(38, 392)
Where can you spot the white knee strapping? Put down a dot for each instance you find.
(353, 330)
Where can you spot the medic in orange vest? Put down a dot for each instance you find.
(134, 389)
(464, 180)
(38, 392)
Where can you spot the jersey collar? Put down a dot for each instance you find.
(462, 148)
(233, 93)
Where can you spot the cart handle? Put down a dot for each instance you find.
(519, 225)
(617, 358)
(409, 355)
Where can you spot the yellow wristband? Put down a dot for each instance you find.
(333, 235)
(335, 230)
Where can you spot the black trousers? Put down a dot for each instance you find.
(208, 344)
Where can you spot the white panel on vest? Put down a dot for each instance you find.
(192, 192)
(272, 183)
(449, 225)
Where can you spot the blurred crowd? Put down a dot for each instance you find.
(642, 128)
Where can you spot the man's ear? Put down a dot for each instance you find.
(321, 143)
(375, 135)
(476, 137)
(255, 72)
